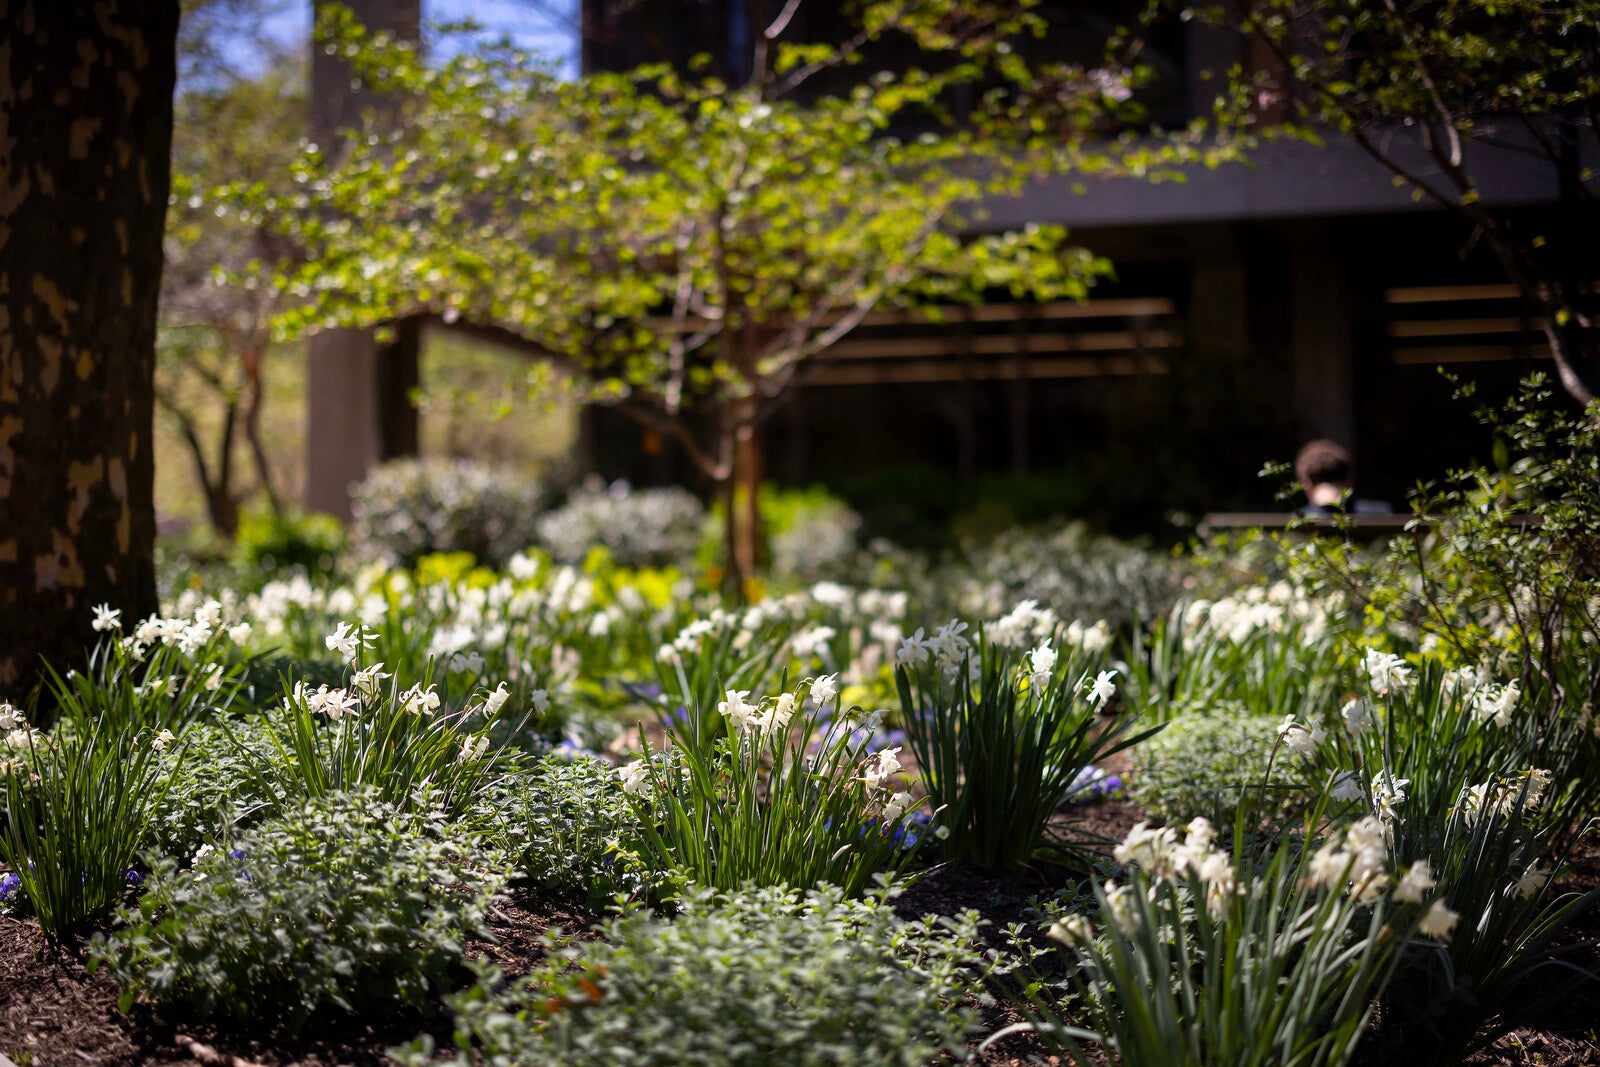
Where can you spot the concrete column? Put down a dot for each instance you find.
(357, 408)
(1218, 313)
(343, 432)
(1321, 350)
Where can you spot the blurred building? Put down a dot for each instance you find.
(1255, 307)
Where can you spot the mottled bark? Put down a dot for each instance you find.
(85, 138)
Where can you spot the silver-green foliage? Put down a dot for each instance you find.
(760, 977)
(409, 508)
(347, 902)
(566, 825)
(640, 527)
(1202, 764)
(209, 782)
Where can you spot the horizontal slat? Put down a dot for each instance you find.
(1435, 294)
(1469, 354)
(1131, 307)
(1007, 370)
(1109, 308)
(1455, 327)
(953, 346)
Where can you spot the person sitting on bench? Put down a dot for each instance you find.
(1327, 476)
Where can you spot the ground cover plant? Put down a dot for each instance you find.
(754, 976)
(345, 901)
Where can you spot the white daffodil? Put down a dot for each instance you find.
(1103, 688)
(634, 776)
(1358, 717)
(496, 700)
(1533, 880)
(1386, 672)
(913, 650)
(1415, 883)
(1438, 922)
(824, 689)
(1301, 740)
(1346, 787)
(1072, 930)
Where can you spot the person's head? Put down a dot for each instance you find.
(1324, 470)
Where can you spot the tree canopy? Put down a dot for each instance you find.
(1425, 87)
(686, 244)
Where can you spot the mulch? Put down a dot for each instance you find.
(53, 1012)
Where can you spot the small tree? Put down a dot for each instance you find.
(216, 315)
(1420, 85)
(686, 245)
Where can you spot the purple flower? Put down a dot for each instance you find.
(8, 887)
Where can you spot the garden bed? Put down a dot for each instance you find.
(53, 1012)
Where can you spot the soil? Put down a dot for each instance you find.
(53, 1012)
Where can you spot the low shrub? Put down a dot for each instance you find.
(810, 534)
(1068, 569)
(640, 527)
(268, 541)
(1203, 763)
(210, 784)
(567, 826)
(411, 507)
(757, 977)
(344, 903)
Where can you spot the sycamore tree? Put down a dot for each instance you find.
(85, 131)
(1423, 86)
(684, 245)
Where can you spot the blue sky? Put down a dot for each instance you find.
(545, 26)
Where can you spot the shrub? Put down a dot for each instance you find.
(209, 785)
(1069, 570)
(268, 541)
(567, 826)
(758, 977)
(346, 902)
(1203, 763)
(409, 508)
(810, 534)
(640, 527)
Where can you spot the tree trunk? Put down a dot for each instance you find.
(745, 546)
(253, 399)
(85, 139)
